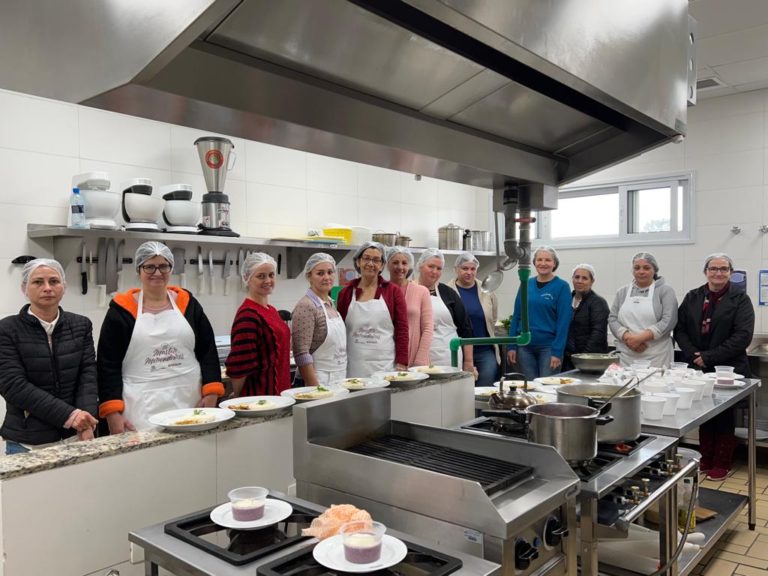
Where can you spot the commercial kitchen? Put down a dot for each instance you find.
(406, 118)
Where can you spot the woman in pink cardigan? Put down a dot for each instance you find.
(400, 266)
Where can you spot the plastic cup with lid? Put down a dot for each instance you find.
(686, 397)
(362, 541)
(248, 503)
(652, 407)
(670, 406)
(678, 365)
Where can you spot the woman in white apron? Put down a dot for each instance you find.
(643, 315)
(448, 314)
(156, 348)
(319, 336)
(375, 316)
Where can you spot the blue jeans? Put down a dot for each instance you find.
(487, 369)
(12, 447)
(533, 361)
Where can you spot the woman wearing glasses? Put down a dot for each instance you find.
(714, 328)
(376, 317)
(156, 348)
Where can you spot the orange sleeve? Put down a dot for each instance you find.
(110, 407)
(213, 388)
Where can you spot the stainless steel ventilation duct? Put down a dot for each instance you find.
(486, 92)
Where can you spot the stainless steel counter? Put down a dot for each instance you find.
(182, 559)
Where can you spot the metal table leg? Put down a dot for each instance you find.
(588, 545)
(752, 458)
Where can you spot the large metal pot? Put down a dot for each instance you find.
(477, 241)
(625, 409)
(570, 428)
(449, 237)
(385, 238)
(594, 363)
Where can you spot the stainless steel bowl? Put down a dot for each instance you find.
(593, 362)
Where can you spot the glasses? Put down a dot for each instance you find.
(722, 269)
(369, 260)
(152, 268)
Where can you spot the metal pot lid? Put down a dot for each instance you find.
(451, 227)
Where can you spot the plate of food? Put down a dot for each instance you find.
(330, 553)
(557, 380)
(484, 392)
(729, 386)
(191, 419)
(274, 512)
(363, 383)
(436, 371)
(308, 393)
(400, 376)
(253, 406)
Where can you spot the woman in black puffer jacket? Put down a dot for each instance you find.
(588, 331)
(47, 365)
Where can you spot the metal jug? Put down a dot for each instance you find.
(515, 397)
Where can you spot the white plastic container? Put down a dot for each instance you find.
(686, 397)
(670, 406)
(652, 407)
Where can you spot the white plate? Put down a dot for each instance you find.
(166, 419)
(711, 375)
(400, 376)
(274, 512)
(330, 553)
(353, 384)
(557, 380)
(436, 371)
(291, 393)
(484, 392)
(736, 384)
(274, 404)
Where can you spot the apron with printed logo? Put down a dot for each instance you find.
(636, 314)
(160, 370)
(444, 332)
(330, 358)
(370, 338)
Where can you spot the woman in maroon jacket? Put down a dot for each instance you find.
(376, 317)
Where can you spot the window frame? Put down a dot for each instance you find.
(624, 189)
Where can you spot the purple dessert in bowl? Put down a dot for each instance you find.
(362, 541)
(248, 503)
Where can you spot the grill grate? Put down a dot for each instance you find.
(492, 474)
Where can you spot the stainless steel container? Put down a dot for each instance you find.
(386, 238)
(570, 428)
(449, 237)
(477, 241)
(625, 409)
(403, 241)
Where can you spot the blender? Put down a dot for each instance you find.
(216, 158)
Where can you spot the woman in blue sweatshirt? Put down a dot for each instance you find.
(549, 316)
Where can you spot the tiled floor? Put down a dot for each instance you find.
(741, 551)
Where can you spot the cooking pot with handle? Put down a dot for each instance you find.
(625, 409)
(570, 428)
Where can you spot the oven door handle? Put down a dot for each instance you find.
(624, 521)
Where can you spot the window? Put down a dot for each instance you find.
(650, 211)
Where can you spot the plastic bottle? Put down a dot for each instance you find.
(77, 210)
(684, 495)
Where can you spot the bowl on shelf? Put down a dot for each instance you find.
(142, 207)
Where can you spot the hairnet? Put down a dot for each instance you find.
(318, 258)
(428, 254)
(651, 259)
(588, 267)
(253, 261)
(150, 250)
(715, 256)
(376, 245)
(465, 257)
(33, 265)
(552, 251)
(393, 250)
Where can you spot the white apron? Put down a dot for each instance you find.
(636, 313)
(160, 371)
(444, 332)
(370, 338)
(330, 358)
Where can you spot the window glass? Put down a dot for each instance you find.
(579, 216)
(652, 210)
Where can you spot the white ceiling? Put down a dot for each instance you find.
(732, 44)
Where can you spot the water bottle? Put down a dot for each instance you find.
(77, 205)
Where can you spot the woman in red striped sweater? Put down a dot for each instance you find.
(259, 361)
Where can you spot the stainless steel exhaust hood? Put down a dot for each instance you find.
(485, 92)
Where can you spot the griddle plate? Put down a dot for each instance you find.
(492, 474)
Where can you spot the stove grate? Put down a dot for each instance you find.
(491, 473)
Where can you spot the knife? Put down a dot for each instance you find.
(240, 259)
(210, 269)
(200, 271)
(83, 269)
(225, 273)
(179, 265)
(120, 247)
(111, 266)
(101, 271)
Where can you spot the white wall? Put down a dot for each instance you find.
(273, 191)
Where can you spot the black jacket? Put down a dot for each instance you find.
(588, 331)
(733, 322)
(43, 385)
(453, 302)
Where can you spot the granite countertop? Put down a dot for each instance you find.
(73, 452)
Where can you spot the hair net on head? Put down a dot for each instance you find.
(318, 258)
(552, 252)
(253, 261)
(718, 255)
(33, 265)
(365, 246)
(150, 250)
(651, 259)
(428, 254)
(465, 257)
(588, 267)
(393, 250)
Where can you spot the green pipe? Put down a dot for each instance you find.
(523, 339)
